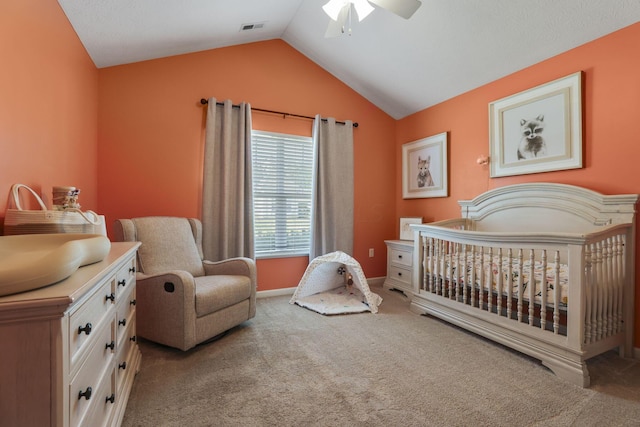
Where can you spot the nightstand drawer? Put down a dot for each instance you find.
(399, 257)
(399, 266)
(400, 274)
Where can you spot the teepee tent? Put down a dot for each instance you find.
(325, 287)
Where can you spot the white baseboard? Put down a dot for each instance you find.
(374, 281)
(275, 292)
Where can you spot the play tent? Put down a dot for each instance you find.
(324, 286)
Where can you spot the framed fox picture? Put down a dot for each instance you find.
(424, 168)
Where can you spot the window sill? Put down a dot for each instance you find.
(273, 255)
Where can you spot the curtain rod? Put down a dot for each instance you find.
(205, 102)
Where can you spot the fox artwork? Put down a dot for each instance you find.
(424, 174)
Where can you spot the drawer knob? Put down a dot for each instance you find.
(122, 322)
(111, 297)
(400, 256)
(86, 329)
(111, 398)
(123, 365)
(132, 302)
(86, 394)
(111, 345)
(122, 282)
(132, 270)
(399, 274)
(133, 338)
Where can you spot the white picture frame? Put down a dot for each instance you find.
(424, 168)
(406, 233)
(537, 130)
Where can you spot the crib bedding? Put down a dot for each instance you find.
(449, 269)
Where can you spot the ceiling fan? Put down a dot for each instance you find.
(340, 12)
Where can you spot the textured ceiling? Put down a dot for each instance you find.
(403, 66)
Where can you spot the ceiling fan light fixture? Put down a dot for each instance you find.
(363, 8)
(334, 7)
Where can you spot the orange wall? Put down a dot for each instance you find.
(151, 136)
(48, 103)
(59, 114)
(611, 99)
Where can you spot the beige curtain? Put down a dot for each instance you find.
(227, 200)
(332, 211)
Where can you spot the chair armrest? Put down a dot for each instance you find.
(166, 308)
(183, 282)
(154, 286)
(233, 266)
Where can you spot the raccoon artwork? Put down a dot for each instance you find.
(424, 174)
(532, 144)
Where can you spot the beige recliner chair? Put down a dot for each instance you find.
(183, 300)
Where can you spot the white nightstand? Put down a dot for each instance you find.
(399, 266)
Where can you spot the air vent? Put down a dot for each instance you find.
(251, 27)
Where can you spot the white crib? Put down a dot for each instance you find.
(546, 269)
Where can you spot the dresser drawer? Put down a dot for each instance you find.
(87, 319)
(125, 310)
(124, 356)
(83, 387)
(400, 274)
(124, 277)
(101, 410)
(400, 257)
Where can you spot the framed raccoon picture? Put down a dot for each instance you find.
(538, 130)
(424, 168)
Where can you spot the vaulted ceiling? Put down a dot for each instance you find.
(403, 66)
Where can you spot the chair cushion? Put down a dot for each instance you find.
(167, 244)
(214, 293)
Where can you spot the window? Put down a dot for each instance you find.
(282, 181)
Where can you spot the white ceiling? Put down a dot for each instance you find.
(403, 66)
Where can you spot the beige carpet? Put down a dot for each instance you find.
(293, 367)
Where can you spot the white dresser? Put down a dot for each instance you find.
(68, 352)
(399, 266)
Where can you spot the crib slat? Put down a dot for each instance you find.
(608, 289)
(499, 283)
(599, 296)
(556, 294)
(434, 272)
(441, 267)
(520, 272)
(595, 276)
(509, 281)
(543, 291)
(588, 327)
(619, 283)
(489, 273)
(532, 285)
(472, 278)
(429, 270)
(464, 273)
(449, 265)
(481, 277)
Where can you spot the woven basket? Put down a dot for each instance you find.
(44, 221)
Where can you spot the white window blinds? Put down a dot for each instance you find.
(282, 180)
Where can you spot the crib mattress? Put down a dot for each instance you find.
(493, 266)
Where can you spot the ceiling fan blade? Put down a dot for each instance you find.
(403, 8)
(337, 27)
